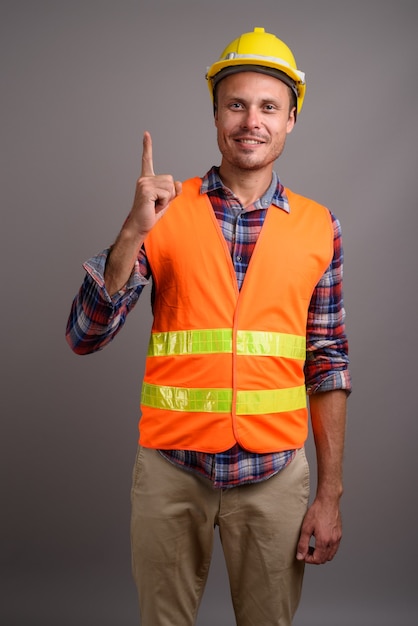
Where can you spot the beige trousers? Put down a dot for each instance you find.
(174, 513)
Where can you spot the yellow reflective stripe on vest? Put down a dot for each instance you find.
(180, 342)
(220, 400)
(187, 399)
(270, 401)
(263, 343)
(219, 340)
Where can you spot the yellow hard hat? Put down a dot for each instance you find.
(260, 52)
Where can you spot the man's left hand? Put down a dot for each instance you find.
(322, 522)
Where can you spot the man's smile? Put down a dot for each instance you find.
(251, 141)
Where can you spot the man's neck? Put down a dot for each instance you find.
(247, 185)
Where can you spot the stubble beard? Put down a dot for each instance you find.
(250, 162)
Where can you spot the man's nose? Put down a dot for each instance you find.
(252, 118)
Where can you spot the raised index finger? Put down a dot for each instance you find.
(147, 163)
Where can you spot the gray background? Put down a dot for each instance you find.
(80, 82)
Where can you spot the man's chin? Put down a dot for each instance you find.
(251, 164)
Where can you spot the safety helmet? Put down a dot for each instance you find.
(263, 52)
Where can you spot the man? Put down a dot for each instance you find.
(248, 316)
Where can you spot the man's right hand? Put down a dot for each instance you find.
(153, 193)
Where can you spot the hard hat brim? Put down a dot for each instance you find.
(272, 66)
(269, 71)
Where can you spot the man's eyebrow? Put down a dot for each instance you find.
(272, 100)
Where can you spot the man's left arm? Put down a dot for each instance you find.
(323, 518)
(328, 384)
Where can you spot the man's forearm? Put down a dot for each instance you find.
(121, 259)
(328, 416)
(323, 518)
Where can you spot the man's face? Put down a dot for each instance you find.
(252, 119)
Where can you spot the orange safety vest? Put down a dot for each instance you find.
(224, 365)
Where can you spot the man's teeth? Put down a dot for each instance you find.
(252, 141)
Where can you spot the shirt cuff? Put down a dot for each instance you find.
(332, 382)
(95, 267)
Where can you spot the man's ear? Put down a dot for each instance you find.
(215, 102)
(292, 120)
(215, 112)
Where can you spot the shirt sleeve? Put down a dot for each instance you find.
(96, 317)
(327, 363)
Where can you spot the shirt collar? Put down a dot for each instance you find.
(275, 194)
